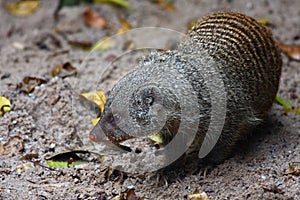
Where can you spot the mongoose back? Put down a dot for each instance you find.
(237, 47)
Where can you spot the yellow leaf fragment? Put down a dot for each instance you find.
(293, 110)
(264, 21)
(197, 196)
(23, 8)
(95, 121)
(192, 24)
(5, 105)
(118, 197)
(125, 25)
(156, 137)
(103, 44)
(97, 97)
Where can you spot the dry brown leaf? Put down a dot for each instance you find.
(165, 5)
(67, 67)
(93, 19)
(292, 51)
(29, 83)
(30, 156)
(130, 195)
(292, 169)
(13, 145)
(84, 45)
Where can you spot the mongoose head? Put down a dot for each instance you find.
(138, 105)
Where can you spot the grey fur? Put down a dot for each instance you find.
(155, 92)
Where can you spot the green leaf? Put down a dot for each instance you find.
(63, 3)
(169, 1)
(63, 164)
(286, 104)
(103, 44)
(121, 3)
(66, 159)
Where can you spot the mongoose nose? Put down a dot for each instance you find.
(97, 134)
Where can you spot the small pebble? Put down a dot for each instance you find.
(52, 145)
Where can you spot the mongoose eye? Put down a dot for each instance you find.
(149, 100)
(113, 118)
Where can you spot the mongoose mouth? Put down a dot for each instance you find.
(106, 130)
(98, 135)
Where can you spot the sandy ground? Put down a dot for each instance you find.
(51, 120)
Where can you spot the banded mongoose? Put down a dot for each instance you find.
(237, 47)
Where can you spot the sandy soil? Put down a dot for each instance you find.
(51, 120)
